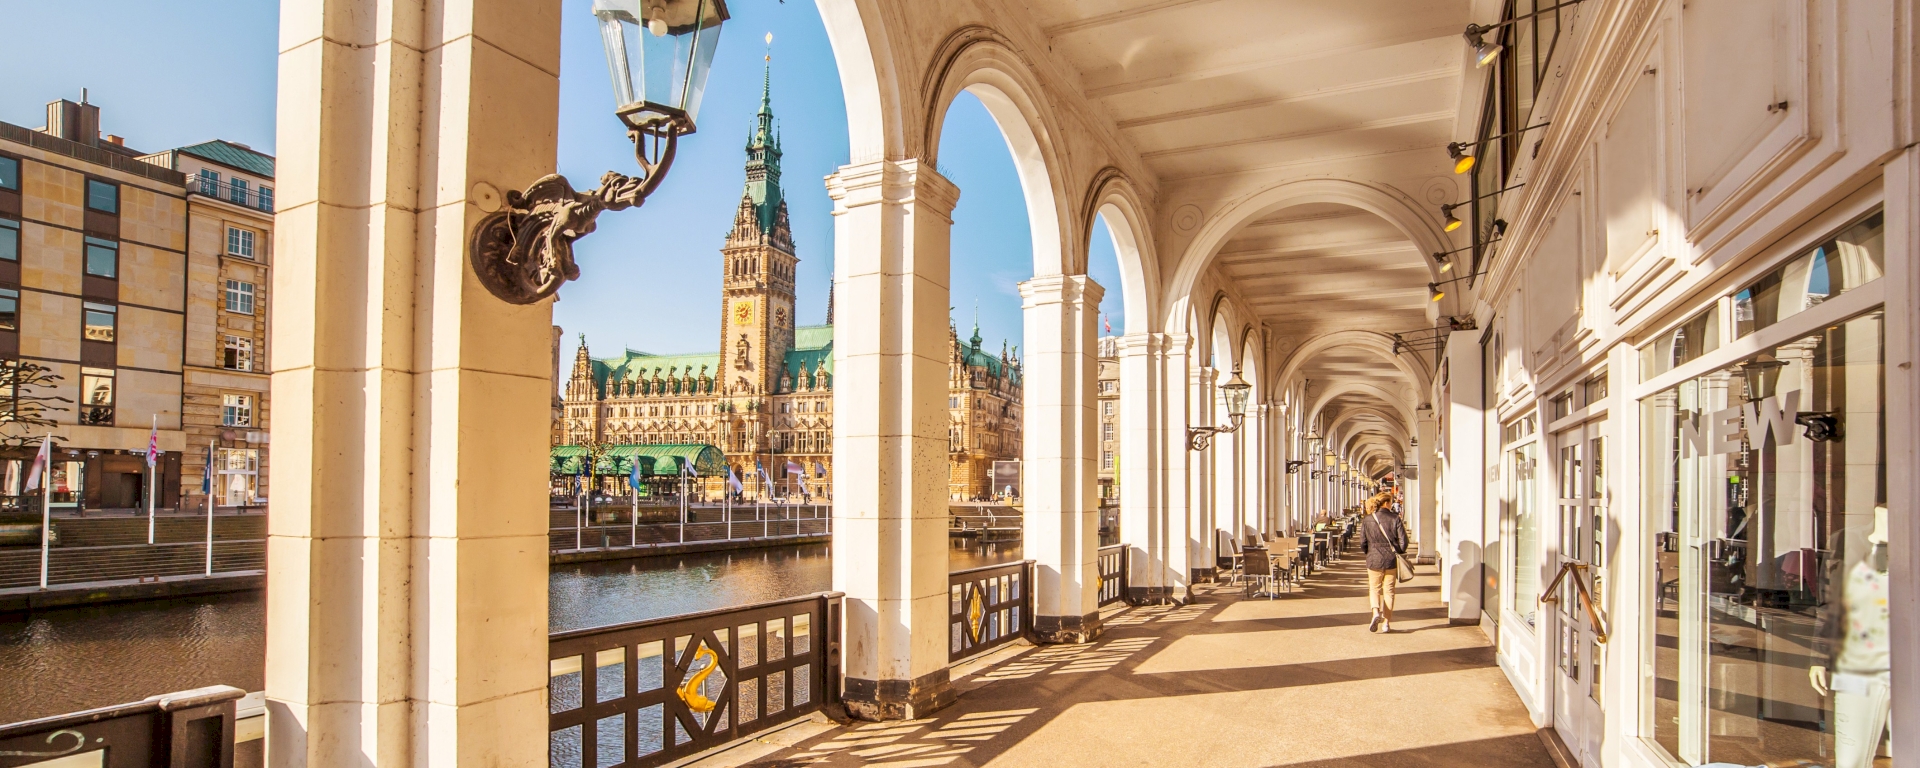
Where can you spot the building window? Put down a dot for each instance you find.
(1106, 431)
(9, 309)
(238, 355)
(96, 396)
(240, 242)
(9, 239)
(103, 196)
(209, 181)
(1106, 408)
(266, 199)
(10, 173)
(240, 297)
(237, 191)
(1106, 460)
(100, 320)
(103, 257)
(236, 410)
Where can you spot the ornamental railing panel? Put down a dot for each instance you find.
(187, 729)
(988, 607)
(651, 692)
(1112, 561)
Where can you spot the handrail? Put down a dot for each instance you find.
(679, 617)
(155, 731)
(1586, 597)
(988, 607)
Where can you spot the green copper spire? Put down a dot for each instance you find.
(763, 158)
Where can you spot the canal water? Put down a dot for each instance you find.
(71, 659)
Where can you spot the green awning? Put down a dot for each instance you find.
(654, 458)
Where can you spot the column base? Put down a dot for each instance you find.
(1204, 575)
(1150, 595)
(880, 700)
(1054, 630)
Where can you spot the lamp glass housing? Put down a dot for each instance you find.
(659, 53)
(1762, 375)
(1236, 391)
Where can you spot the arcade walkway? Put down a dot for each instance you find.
(1228, 681)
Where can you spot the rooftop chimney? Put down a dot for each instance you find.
(116, 140)
(74, 122)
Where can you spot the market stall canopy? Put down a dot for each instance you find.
(655, 459)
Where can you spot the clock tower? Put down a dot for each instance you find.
(757, 263)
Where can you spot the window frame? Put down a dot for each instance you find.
(110, 311)
(241, 242)
(18, 168)
(236, 353)
(10, 233)
(250, 296)
(97, 413)
(91, 184)
(236, 409)
(105, 246)
(10, 295)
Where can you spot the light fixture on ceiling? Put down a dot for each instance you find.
(1434, 293)
(1453, 222)
(1446, 262)
(1483, 52)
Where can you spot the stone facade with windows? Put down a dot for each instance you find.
(229, 194)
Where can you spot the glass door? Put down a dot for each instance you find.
(1579, 566)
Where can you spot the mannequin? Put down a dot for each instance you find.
(1859, 682)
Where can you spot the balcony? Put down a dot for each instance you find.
(257, 198)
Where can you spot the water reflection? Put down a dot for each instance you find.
(78, 658)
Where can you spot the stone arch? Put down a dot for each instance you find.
(860, 40)
(1395, 429)
(1380, 344)
(1339, 388)
(982, 62)
(1413, 220)
(1113, 197)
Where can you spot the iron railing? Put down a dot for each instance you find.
(258, 198)
(606, 536)
(1112, 561)
(650, 692)
(189, 729)
(988, 607)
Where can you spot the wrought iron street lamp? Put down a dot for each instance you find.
(1235, 391)
(659, 53)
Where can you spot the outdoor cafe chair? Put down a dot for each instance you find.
(1257, 568)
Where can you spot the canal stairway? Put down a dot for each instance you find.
(114, 547)
(1226, 681)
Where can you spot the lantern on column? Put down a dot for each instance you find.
(1235, 391)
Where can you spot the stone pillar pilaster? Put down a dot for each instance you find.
(407, 550)
(1155, 539)
(1206, 486)
(891, 238)
(1426, 503)
(1461, 514)
(1184, 557)
(1061, 515)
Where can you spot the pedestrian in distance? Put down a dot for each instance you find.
(1384, 540)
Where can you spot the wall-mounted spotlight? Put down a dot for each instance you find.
(1434, 293)
(1462, 154)
(1453, 222)
(1483, 52)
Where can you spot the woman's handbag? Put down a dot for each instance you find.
(1402, 566)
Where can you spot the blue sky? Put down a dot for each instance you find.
(188, 72)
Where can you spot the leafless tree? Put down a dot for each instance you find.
(26, 401)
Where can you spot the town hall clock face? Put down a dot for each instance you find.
(743, 312)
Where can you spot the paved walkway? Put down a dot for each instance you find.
(1228, 681)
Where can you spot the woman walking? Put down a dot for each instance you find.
(1383, 540)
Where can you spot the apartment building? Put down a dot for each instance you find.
(1107, 400)
(229, 193)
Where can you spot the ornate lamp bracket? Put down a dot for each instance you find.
(1200, 438)
(523, 252)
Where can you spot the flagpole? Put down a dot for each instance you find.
(633, 494)
(152, 485)
(209, 507)
(46, 507)
(683, 504)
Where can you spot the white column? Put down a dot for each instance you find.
(1061, 515)
(407, 554)
(891, 238)
(1182, 467)
(1460, 512)
(1424, 502)
(1206, 485)
(1154, 539)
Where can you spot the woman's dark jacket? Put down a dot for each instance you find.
(1382, 537)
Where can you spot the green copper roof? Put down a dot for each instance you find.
(634, 366)
(812, 352)
(812, 336)
(232, 156)
(763, 160)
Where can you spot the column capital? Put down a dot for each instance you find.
(900, 182)
(1045, 289)
(1134, 344)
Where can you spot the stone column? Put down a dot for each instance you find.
(1461, 515)
(1151, 536)
(1061, 516)
(891, 237)
(1205, 488)
(407, 550)
(1177, 467)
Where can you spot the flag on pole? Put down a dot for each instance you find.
(1104, 322)
(794, 468)
(206, 478)
(819, 469)
(633, 475)
(733, 481)
(687, 468)
(40, 462)
(766, 481)
(153, 443)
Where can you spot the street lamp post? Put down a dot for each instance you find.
(1236, 391)
(659, 53)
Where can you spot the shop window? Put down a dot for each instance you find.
(96, 396)
(238, 355)
(103, 257)
(239, 471)
(1521, 522)
(236, 410)
(1697, 336)
(103, 196)
(1765, 497)
(99, 321)
(1854, 257)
